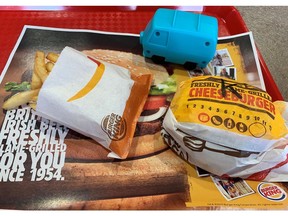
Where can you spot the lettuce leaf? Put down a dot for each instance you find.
(14, 86)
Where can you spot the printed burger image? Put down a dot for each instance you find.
(80, 103)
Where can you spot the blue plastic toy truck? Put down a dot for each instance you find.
(180, 37)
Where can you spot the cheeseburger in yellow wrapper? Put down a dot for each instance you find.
(228, 128)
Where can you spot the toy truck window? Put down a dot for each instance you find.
(159, 37)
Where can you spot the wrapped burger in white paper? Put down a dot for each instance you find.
(95, 98)
(228, 128)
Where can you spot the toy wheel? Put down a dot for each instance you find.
(190, 65)
(158, 59)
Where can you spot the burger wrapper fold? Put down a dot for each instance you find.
(100, 100)
(228, 133)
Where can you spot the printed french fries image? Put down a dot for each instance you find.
(36, 82)
(19, 99)
(39, 66)
(49, 66)
(51, 56)
(28, 92)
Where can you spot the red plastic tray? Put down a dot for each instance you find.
(130, 19)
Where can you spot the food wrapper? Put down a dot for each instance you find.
(228, 128)
(95, 98)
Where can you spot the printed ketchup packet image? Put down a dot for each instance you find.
(97, 99)
(228, 128)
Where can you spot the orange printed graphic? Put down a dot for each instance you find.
(92, 83)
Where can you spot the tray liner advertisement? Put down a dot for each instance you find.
(45, 165)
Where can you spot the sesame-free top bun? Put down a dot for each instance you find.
(134, 63)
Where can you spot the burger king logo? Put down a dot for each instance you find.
(114, 126)
(271, 192)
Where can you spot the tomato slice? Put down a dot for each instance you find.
(154, 102)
